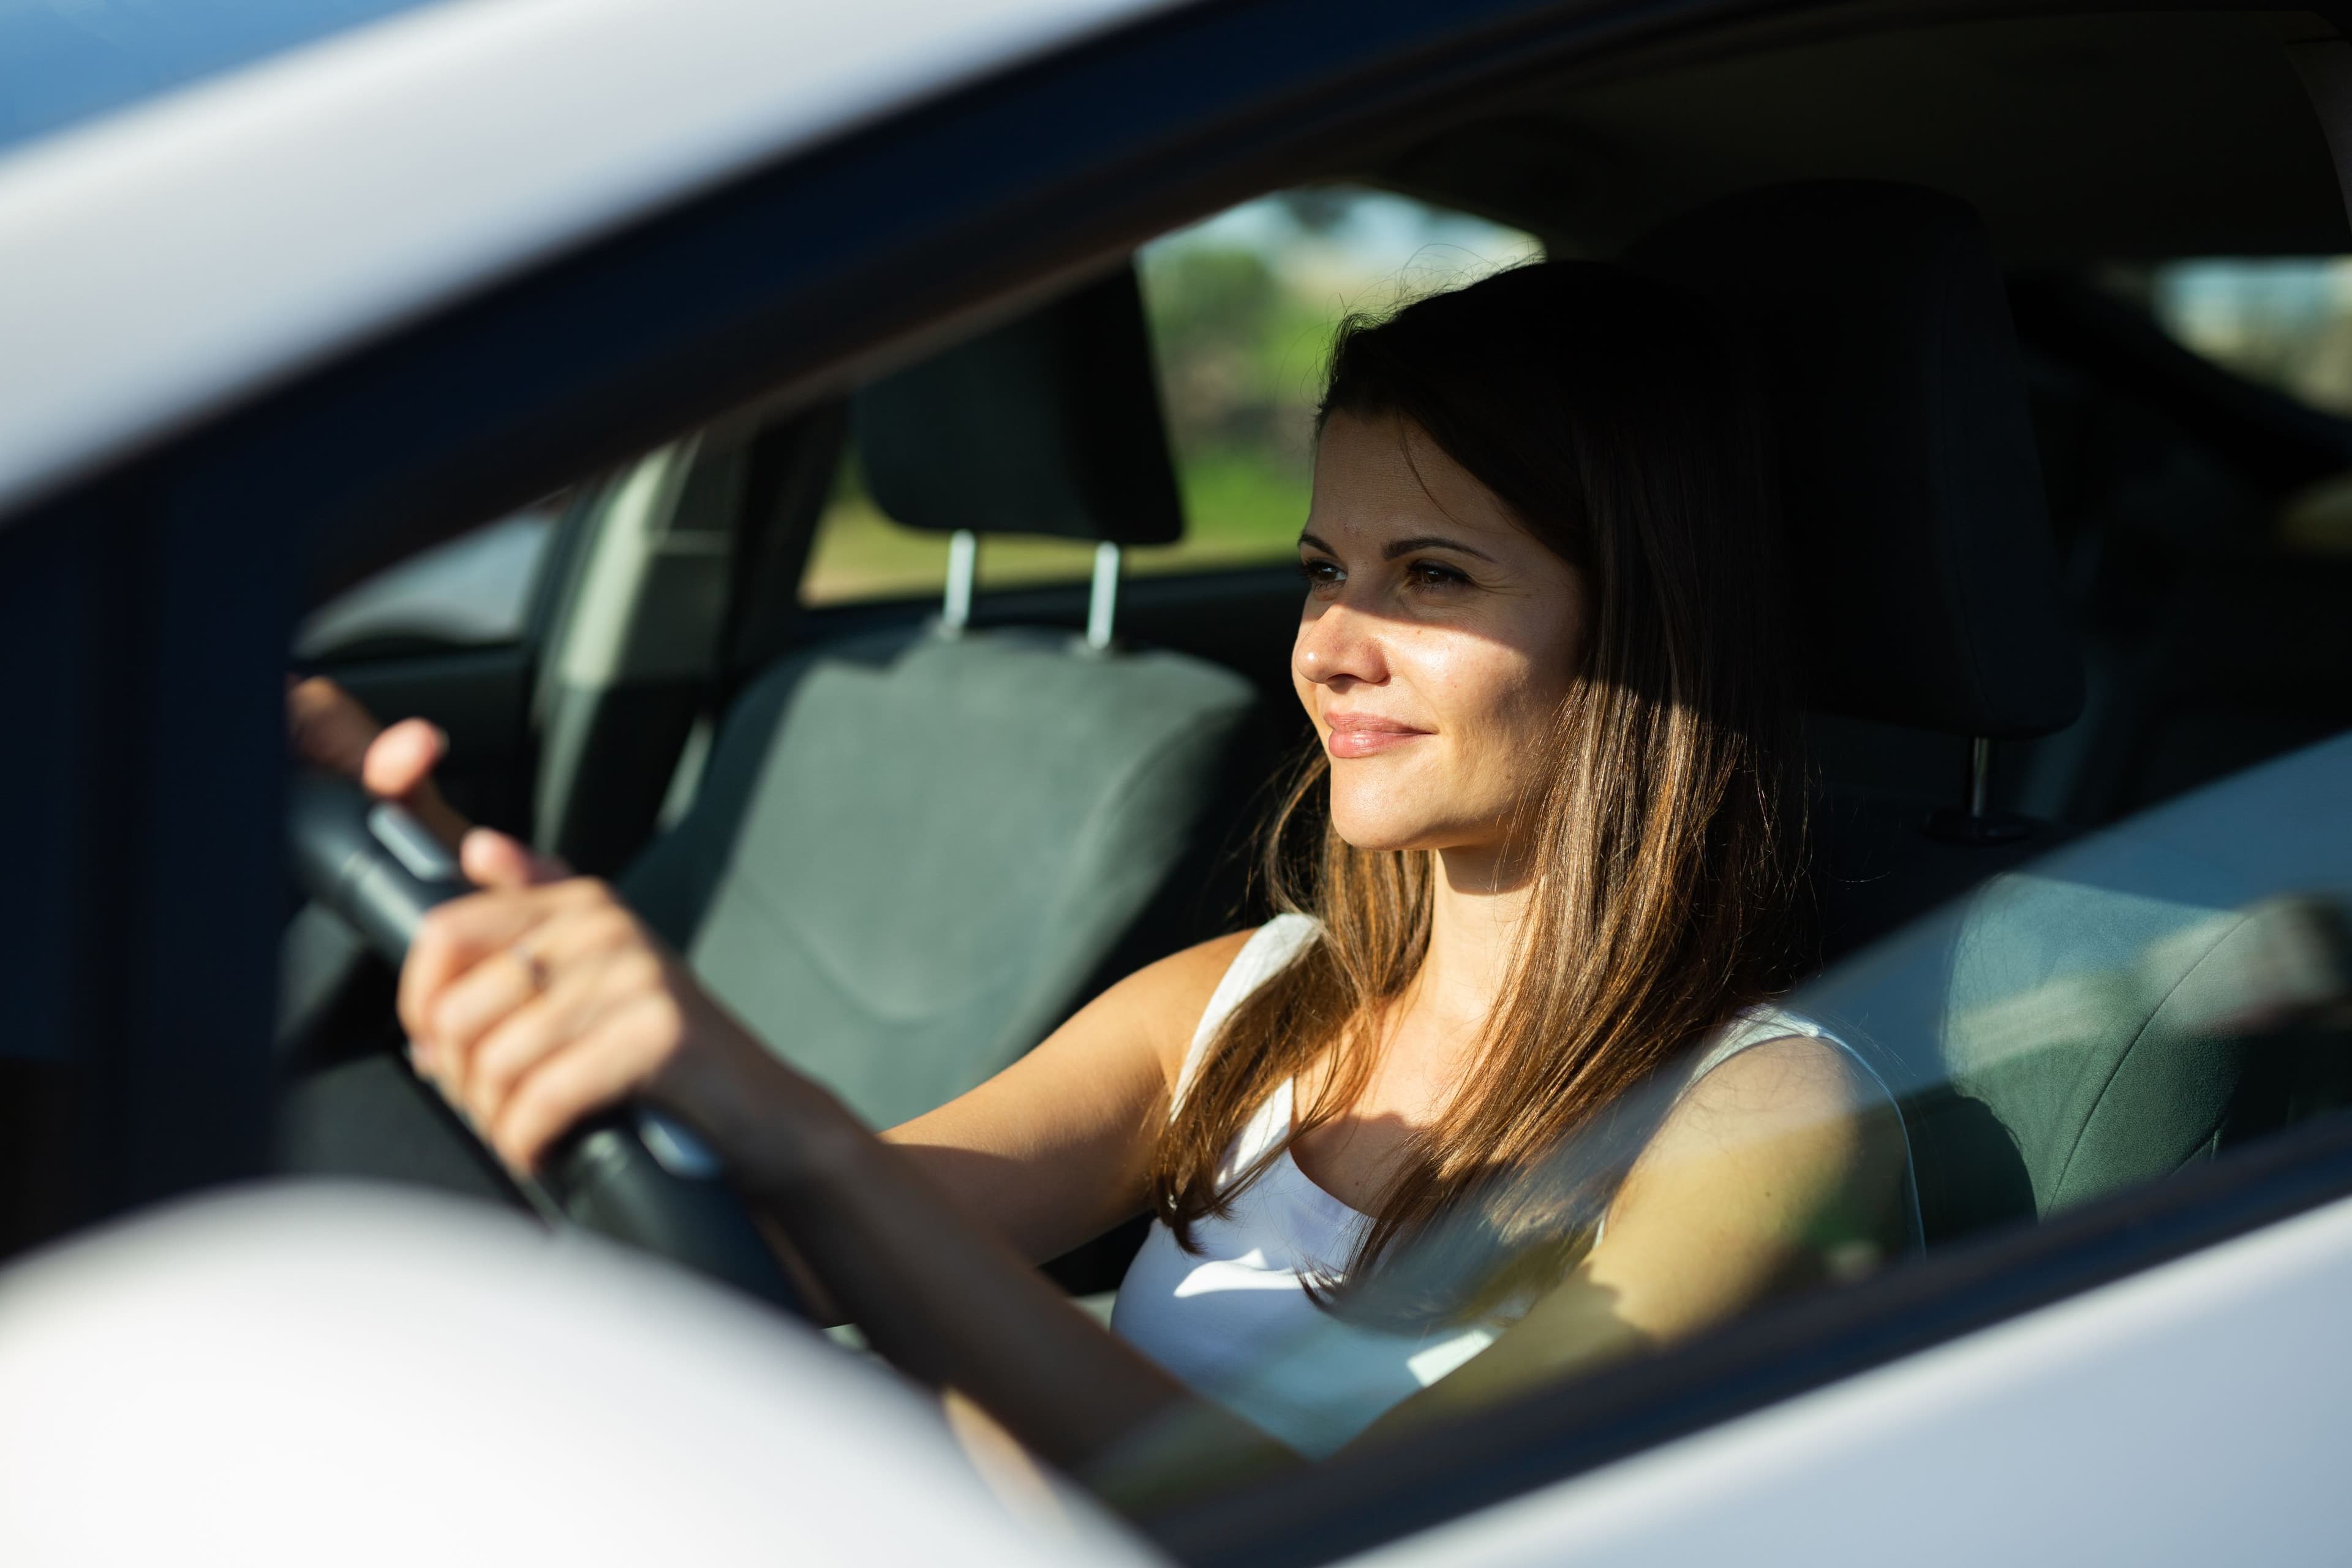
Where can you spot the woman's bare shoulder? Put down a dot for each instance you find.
(1792, 1072)
(1168, 997)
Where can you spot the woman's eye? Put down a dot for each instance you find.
(1321, 573)
(1434, 574)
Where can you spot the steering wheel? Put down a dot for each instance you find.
(632, 1175)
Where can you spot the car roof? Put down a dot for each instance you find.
(2080, 138)
(205, 243)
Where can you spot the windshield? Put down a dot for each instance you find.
(66, 61)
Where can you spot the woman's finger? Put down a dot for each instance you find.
(465, 932)
(327, 726)
(485, 1078)
(397, 763)
(554, 983)
(471, 1005)
(493, 859)
(573, 932)
(612, 1061)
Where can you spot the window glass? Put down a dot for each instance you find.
(1242, 309)
(473, 591)
(2286, 323)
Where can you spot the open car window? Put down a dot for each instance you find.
(2088, 1029)
(2076, 1030)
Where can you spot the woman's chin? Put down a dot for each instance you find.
(1377, 832)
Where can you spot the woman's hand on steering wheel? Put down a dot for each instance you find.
(541, 999)
(537, 1001)
(330, 729)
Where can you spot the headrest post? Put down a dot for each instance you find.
(1977, 822)
(963, 566)
(1102, 599)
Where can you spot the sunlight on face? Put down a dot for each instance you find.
(1437, 641)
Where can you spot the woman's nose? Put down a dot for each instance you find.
(1337, 643)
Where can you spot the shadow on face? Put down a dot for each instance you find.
(1437, 643)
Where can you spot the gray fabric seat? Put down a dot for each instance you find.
(909, 854)
(2127, 1006)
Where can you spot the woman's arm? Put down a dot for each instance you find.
(1056, 1149)
(1779, 1169)
(542, 999)
(534, 1005)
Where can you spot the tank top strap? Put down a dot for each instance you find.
(1267, 953)
(1756, 1025)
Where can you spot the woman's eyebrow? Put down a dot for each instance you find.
(1404, 546)
(1431, 541)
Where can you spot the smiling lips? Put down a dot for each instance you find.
(1366, 735)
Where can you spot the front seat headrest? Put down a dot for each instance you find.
(1925, 581)
(1048, 424)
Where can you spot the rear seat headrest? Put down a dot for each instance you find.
(1924, 579)
(1049, 424)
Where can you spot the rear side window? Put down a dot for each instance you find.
(1242, 309)
(2286, 322)
(2283, 323)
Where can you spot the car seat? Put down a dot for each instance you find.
(910, 852)
(2216, 636)
(1923, 582)
(2074, 1026)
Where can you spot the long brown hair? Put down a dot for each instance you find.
(1615, 417)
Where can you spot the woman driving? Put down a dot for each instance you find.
(1500, 1093)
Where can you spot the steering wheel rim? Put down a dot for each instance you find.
(631, 1175)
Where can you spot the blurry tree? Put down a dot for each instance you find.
(1240, 363)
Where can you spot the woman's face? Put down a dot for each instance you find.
(1438, 640)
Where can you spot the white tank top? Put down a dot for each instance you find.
(1233, 1321)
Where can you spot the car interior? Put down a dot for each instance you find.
(2039, 557)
